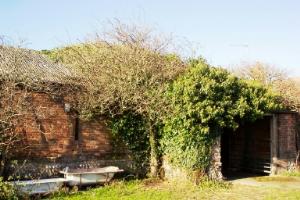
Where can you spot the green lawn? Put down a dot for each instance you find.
(149, 189)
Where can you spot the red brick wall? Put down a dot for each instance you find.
(287, 129)
(49, 133)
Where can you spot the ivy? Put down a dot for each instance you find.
(130, 128)
(203, 101)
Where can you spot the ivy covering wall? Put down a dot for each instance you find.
(202, 102)
(130, 128)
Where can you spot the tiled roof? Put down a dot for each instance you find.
(28, 65)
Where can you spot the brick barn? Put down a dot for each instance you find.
(54, 136)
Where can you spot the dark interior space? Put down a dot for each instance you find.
(247, 150)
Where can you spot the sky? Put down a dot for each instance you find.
(226, 33)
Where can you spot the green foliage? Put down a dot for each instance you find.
(130, 128)
(7, 191)
(204, 101)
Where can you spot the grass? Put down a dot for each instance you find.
(293, 173)
(275, 179)
(156, 189)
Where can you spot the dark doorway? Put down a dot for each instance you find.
(247, 150)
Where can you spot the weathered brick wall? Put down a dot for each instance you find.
(49, 138)
(286, 124)
(287, 140)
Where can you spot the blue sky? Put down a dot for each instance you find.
(225, 32)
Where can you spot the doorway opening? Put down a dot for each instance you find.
(246, 151)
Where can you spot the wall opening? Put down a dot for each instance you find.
(76, 129)
(247, 150)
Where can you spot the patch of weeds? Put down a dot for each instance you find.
(8, 191)
(275, 179)
(292, 174)
(152, 182)
(207, 183)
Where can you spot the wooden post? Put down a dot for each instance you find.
(274, 143)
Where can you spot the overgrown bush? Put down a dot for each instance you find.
(207, 183)
(202, 102)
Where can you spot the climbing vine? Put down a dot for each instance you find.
(130, 128)
(203, 101)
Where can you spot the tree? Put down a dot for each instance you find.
(125, 71)
(276, 79)
(12, 106)
(261, 72)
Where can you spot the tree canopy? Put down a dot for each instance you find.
(274, 78)
(125, 73)
(119, 78)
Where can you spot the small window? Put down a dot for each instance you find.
(76, 129)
